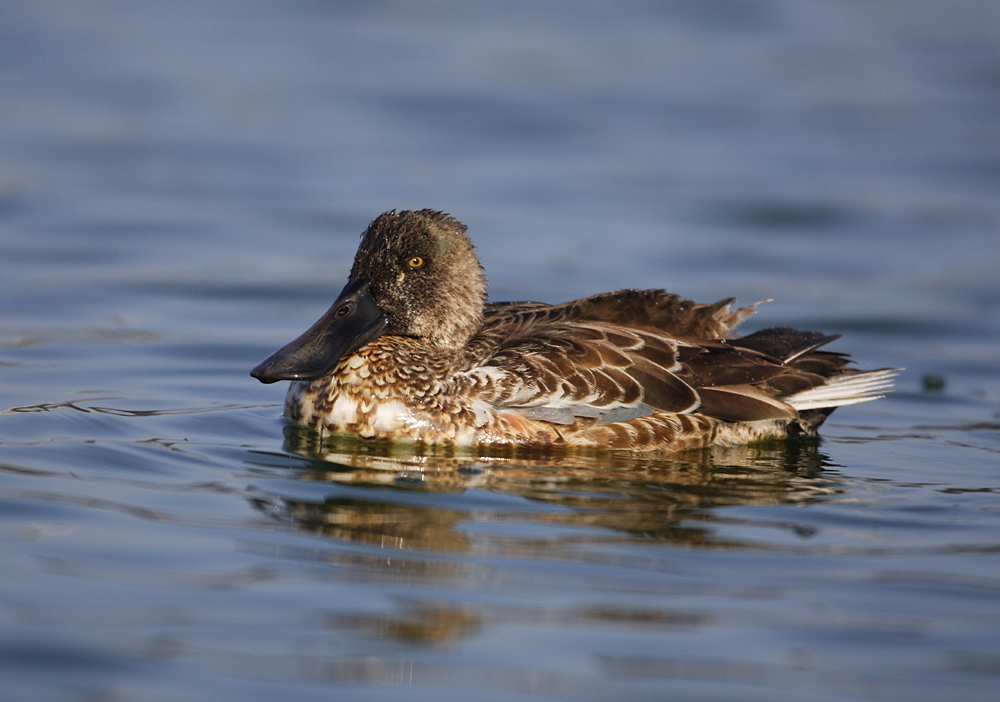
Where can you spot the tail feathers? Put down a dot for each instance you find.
(845, 389)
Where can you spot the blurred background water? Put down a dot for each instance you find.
(182, 188)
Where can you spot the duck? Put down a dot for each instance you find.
(411, 351)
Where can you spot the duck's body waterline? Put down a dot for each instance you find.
(411, 352)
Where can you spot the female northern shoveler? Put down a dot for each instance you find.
(412, 351)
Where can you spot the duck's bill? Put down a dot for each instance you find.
(353, 321)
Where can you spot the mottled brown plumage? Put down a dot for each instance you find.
(410, 351)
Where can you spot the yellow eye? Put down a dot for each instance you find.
(415, 262)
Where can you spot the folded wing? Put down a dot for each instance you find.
(624, 355)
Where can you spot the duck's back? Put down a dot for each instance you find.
(652, 309)
(646, 369)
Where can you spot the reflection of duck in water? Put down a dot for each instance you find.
(385, 495)
(410, 351)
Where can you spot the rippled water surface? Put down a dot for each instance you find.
(182, 187)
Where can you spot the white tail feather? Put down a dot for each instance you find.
(846, 390)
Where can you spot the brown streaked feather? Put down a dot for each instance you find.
(742, 403)
(662, 389)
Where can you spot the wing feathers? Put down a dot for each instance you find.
(622, 356)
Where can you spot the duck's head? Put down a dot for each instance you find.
(415, 274)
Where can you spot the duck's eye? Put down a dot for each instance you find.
(415, 262)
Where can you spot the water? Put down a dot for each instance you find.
(182, 186)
